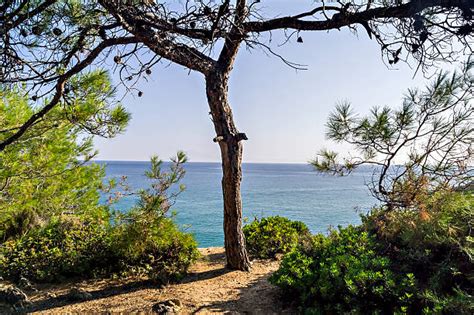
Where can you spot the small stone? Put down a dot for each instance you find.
(167, 307)
(162, 309)
(50, 295)
(78, 294)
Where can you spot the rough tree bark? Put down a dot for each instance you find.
(216, 74)
(230, 142)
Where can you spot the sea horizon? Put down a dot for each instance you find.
(211, 162)
(293, 190)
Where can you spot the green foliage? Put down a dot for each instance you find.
(70, 247)
(423, 229)
(270, 236)
(90, 105)
(431, 134)
(157, 200)
(52, 225)
(406, 261)
(344, 273)
(435, 242)
(155, 248)
(151, 242)
(66, 247)
(142, 241)
(71, 23)
(45, 174)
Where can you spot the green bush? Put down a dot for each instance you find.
(142, 241)
(405, 261)
(159, 249)
(69, 247)
(149, 241)
(52, 225)
(344, 273)
(435, 242)
(66, 247)
(270, 236)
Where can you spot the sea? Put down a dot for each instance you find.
(294, 191)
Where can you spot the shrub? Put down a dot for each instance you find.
(69, 247)
(159, 250)
(150, 242)
(66, 247)
(274, 235)
(142, 241)
(406, 260)
(52, 225)
(343, 272)
(434, 241)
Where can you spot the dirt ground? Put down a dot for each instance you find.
(208, 288)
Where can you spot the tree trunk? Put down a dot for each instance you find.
(229, 140)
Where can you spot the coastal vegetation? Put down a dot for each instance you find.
(46, 44)
(46, 173)
(52, 223)
(399, 261)
(420, 148)
(271, 236)
(414, 253)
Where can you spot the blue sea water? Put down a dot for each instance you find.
(291, 190)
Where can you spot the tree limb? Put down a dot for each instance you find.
(59, 87)
(340, 20)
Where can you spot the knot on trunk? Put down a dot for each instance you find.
(237, 137)
(218, 139)
(241, 136)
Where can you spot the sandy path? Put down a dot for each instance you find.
(209, 288)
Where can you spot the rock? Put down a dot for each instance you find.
(12, 295)
(167, 307)
(159, 308)
(51, 295)
(78, 294)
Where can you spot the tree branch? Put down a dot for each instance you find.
(340, 20)
(60, 86)
(28, 15)
(159, 43)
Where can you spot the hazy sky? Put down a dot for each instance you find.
(282, 111)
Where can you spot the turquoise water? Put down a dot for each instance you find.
(291, 190)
